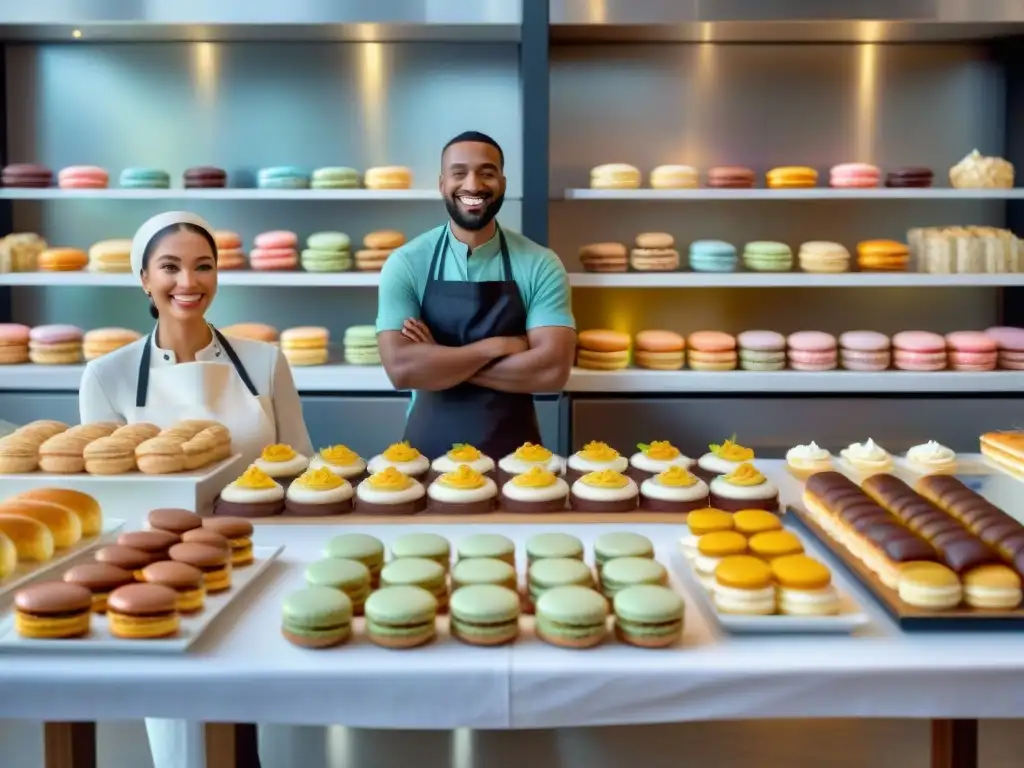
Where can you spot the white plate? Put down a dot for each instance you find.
(851, 615)
(27, 571)
(100, 639)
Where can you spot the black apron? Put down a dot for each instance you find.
(142, 387)
(459, 313)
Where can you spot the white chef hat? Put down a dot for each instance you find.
(148, 230)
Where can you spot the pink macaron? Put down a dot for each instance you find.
(971, 351)
(864, 351)
(854, 175)
(267, 259)
(919, 351)
(55, 334)
(811, 351)
(83, 177)
(12, 334)
(277, 239)
(1011, 346)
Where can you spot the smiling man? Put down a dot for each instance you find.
(473, 317)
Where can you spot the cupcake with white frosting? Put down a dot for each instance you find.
(389, 492)
(318, 493)
(722, 459)
(744, 488)
(463, 491)
(656, 457)
(403, 457)
(867, 458)
(595, 456)
(604, 491)
(535, 491)
(462, 454)
(932, 458)
(253, 494)
(804, 460)
(674, 490)
(282, 462)
(342, 461)
(526, 457)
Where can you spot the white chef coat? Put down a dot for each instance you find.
(109, 387)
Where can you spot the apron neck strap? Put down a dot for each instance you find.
(437, 261)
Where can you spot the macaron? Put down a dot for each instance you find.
(791, 177)
(767, 256)
(360, 343)
(144, 178)
(971, 351)
(550, 573)
(1010, 342)
(485, 614)
(823, 257)
(919, 351)
(542, 546)
(854, 176)
(648, 616)
(483, 570)
(103, 341)
(52, 610)
(417, 572)
(712, 351)
(882, 256)
(995, 587)
(26, 175)
(336, 177)
(100, 579)
(803, 585)
(426, 545)
(327, 252)
(572, 617)
(83, 177)
(128, 558)
(604, 257)
(762, 351)
(911, 176)
(864, 351)
(214, 562)
(659, 350)
(731, 177)
(712, 256)
(174, 520)
(486, 545)
(654, 252)
(674, 177)
(623, 572)
(348, 576)
(929, 585)
(602, 350)
(368, 550)
(63, 260)
(388, 177)
(401, 617)
(316, 617)
(205, 177)
(615, 176)
(253, 331)
(772, 544)
(306, 345)
(14, 340)
(744, 586)
(609, 546)
(750, 522)
(811, 351)
(143, 612)
(282, 177)
(185, 580)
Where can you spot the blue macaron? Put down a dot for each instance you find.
(283, 177)
(144, 178)
(713, 256)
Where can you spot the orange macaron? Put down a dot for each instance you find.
(602, 350)
(659, 350)
(882, 255)
(62, 260)
(712, 351)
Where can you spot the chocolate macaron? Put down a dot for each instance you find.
(731, 177)
(26, 175)
(155, 543)
(185, 579)
(173, 520)
(205, 177)
(214, 562)
(100, 579)
(143, 612)
(912, 176)
(238, 531)
(129, 558)
(52, 610)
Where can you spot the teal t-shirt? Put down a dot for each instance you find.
(537, 271)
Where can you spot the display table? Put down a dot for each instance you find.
(244, 671)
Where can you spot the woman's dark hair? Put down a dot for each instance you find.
(156, 239)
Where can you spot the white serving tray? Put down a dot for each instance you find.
(101, 641)
(850, 618)
(25, 572)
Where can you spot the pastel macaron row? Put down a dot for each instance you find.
(329, 251)
(841, 176)
(810, 351)
(59, 344)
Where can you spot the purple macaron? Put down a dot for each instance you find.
(865, 351)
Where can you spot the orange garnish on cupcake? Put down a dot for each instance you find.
(390, 479)
(659, 450)
(606, 478)
(463, 452)
(598, 451)
(535, 477)
(677, 477)
(339, 455)
(255, 478)
(464, 478)
(533, 453)
(730, 450)
(278, 452)
(745, 475)
(401, 453)
(321, 479)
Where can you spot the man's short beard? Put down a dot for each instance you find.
(477, 222)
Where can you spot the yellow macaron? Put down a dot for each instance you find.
(773, 544)
(753, 521)
(792, 177)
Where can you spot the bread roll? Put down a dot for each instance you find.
(8, 556)
(32, 540)
(88, 510)
(62, 522)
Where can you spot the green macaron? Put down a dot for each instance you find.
(417, 572)
(544, 545)
(553, 572)
(337, 177)
(487, 545)
(325, 261)
(485, 614)
(624, 572)
(483, 570)
(426, 545)
(401, 617)
(767, 256)
(368, 550)
(350, 576)
(571, 617)
(649, 616)
(621, 544)
(317, 617)
(361, 345)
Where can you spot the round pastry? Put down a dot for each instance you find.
(594, 457)
(744, 488)
(929, 585)
(654, 458)
(53, 610)
(750, 522)
(214, 562)
(128, 558)
(526, 457)
(932, 458)
(143, 612)
(867, 458)
(462, 454)
(429, 546)
(484, 546)
(349, 576)
(208, 536)
(535, 491)
(254, 494)
(700, 522)
(544, 546)
(401, 617)
(743, 585)
(712, 548)
(648, 616)
(804, 585)
(463, 491)
(404, 458)
(674, 490)
(771, 545)
(360, 547)
(483, 570)
(390, 492)
(417, 572)
(572, 617)
(979, 172)
(153, 543)
(342, 461)
(722, 459)
(609, 546)
(18, 455)
(554, 572)
(805, 460)
(318, 492)
(238, 532)
(282, 463)
(173, 520)
(604, 491)
(186, 580)
(485, 614)
(100, 579)
(624, 572)
(317, 617)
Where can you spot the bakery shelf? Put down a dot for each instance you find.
(225, 278)
(790, 280)
(366, 195)
(817, 193)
